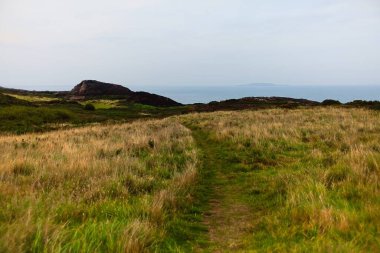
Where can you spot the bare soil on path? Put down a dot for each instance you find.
(229, 220)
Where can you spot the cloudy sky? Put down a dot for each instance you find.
(55, 44)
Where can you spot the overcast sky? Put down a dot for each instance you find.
(55, 44)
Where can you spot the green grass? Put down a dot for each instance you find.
(308, 187)
(223, 176)
(21, 119)
(42, 116)
(102, 103)
(186, 232)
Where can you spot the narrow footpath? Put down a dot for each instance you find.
(228, 219)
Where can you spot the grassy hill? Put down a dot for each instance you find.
(302, 180)
(10, 100)
(22, 113)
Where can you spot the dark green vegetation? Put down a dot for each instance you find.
(20, 116)
(89, 107)
(367, 104)
(21, 119)
(331, 102)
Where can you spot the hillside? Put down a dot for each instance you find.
(9, 100)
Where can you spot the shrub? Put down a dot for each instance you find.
(331, 102)
(89, 107)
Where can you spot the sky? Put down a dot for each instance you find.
(54, 44)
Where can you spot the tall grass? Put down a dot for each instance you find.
(105, 188)
(311, 176)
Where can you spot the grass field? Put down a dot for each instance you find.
(305, 180)
(277, 180)
(94, 189)
(102, 103)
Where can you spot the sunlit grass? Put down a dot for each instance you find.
(31, 98)
(102, 103)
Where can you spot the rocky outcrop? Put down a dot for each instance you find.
(90, 88)
(94, 89)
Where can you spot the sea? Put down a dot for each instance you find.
(205, 94)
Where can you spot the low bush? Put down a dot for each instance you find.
(331, 102)
(89, 107)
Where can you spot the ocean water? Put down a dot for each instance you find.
(188, 95)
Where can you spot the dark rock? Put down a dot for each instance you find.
(95, 88)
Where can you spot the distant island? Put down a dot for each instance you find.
(262, 84)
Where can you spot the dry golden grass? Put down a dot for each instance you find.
(93, 189)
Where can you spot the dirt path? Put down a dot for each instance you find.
(228, 222)
(228, 219)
